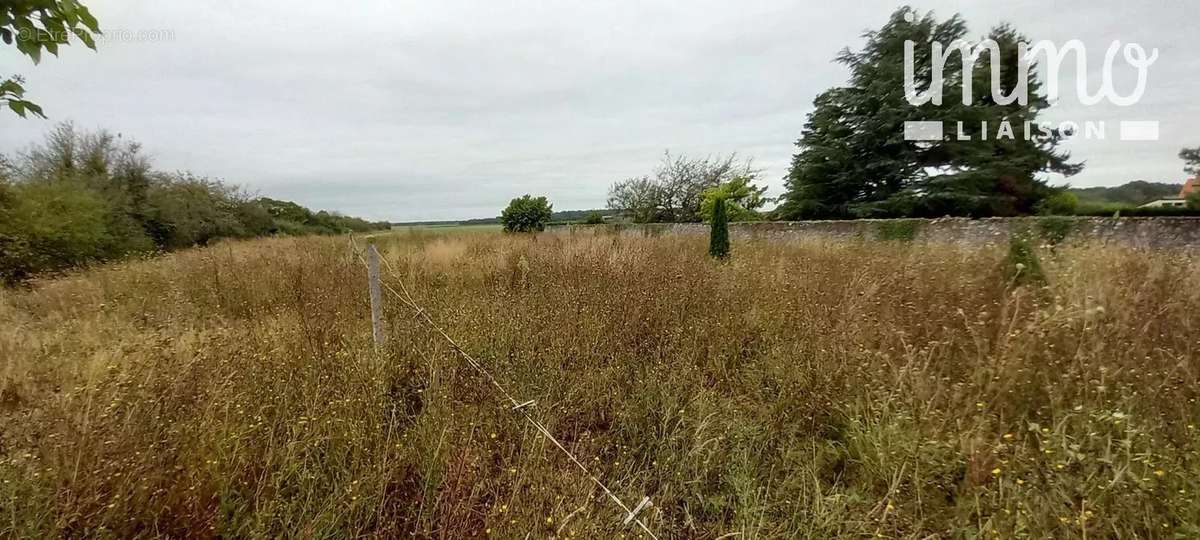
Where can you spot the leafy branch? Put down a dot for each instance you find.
(35, 26)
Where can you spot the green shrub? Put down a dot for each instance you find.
(1061, 203)
(187, 210)
(526, 214)
(718, 242)
(51, 226)
(594, 218)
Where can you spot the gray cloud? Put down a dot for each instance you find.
(428, 110)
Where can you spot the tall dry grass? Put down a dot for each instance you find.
(800, 390)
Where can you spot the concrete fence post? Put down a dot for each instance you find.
(376, 295)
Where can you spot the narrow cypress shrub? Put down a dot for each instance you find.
(718, 241)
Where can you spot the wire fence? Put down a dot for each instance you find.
(371, 263)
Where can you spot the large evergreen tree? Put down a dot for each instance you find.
(854, 160)
(990, 175)
(825, 180)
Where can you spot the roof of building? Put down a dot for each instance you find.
(1171, 201)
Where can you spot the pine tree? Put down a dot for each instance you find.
(718, 242)
(824, 181)
(988, 175)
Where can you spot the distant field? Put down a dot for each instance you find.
(808, 389)
(454, 227)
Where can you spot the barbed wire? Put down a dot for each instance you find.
(407, 299)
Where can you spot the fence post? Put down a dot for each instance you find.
(376, 295)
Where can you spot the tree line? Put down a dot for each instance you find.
(853, 160)
(80, 197)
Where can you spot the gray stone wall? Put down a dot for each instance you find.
(1142, 232)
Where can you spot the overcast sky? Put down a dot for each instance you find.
(444, 109)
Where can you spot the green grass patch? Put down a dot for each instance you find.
(901, 230)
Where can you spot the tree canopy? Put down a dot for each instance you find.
(1191, 160)
(854, 160)
(675, 191)
(741, 200)
(526, 214)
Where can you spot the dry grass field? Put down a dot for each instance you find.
(800, 390)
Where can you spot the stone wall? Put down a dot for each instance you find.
(1146, 232)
